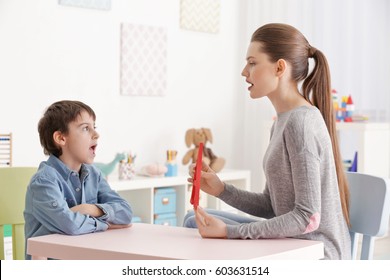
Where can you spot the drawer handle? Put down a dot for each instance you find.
(165, 201)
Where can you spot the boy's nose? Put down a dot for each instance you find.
(96, 135)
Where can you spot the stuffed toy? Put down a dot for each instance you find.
(107, 168)
(195, 137)
(153, 170)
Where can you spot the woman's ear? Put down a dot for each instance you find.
(281, 66)
(59, 138)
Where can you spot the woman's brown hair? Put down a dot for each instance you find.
(282, 41)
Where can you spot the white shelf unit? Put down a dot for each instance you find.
(139, 192)
(371, 141)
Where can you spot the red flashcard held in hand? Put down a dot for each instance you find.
(196, 184)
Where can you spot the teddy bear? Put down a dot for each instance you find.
(195, 137)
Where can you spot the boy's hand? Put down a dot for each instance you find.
(209, 226)
(88, 209)
(113, 226)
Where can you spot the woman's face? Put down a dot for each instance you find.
(259, 72)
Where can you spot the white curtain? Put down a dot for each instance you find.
(355, 37)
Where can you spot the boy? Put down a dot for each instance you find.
(68, 195)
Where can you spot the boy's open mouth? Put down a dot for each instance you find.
(93, 148)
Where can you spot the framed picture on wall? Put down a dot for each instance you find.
(95, 4)
(200, 15)
(143, 60)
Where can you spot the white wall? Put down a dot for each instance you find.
(354, 36)
(50, 52)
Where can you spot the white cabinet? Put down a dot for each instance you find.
(139, 192)
(371, 141)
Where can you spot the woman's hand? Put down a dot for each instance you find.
(209, 226)
(209, 182)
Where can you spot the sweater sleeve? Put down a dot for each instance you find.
(294, 175)
(256, 204)
(303, 218)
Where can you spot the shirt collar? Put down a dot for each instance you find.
(64, 170)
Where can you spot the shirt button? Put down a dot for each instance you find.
(54, 204)
(77, 189)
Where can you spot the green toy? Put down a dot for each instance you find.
(107, 168)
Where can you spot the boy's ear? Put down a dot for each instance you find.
(281, 66)
(59, 138)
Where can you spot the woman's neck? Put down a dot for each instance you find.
(287, 99)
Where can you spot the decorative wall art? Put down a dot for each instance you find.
(143, 60)
(92, 4)
(200, 15)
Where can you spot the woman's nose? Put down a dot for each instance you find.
(244, 72)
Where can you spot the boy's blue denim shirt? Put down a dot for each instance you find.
(54, 189)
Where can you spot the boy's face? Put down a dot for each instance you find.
(79, 145)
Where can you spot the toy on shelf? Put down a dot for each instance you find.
(153, 170)
(171, 163)
(350, 108)
(351, 165)
(107, 168)
(195, 137)
(344, 111)
(5, 150)
(126, 167)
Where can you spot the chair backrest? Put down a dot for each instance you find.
(13, 186)
(369, 211)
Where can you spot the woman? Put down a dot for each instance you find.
(306, 194)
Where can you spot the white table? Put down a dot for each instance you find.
(146, 241)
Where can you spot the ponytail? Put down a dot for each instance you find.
(318, 83)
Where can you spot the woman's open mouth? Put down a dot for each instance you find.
(251, 85)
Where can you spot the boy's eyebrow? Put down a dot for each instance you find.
(249, 57)
(86, 123)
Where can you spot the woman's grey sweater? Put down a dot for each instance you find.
(301, 197)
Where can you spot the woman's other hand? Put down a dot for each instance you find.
(209, 226)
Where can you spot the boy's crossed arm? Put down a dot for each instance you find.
(94, 211)
(88, 209)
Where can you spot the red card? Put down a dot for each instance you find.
(196, 184)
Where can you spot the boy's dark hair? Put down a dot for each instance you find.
(56, 118)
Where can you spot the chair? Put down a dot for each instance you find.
(13, 186)
(369, 211)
